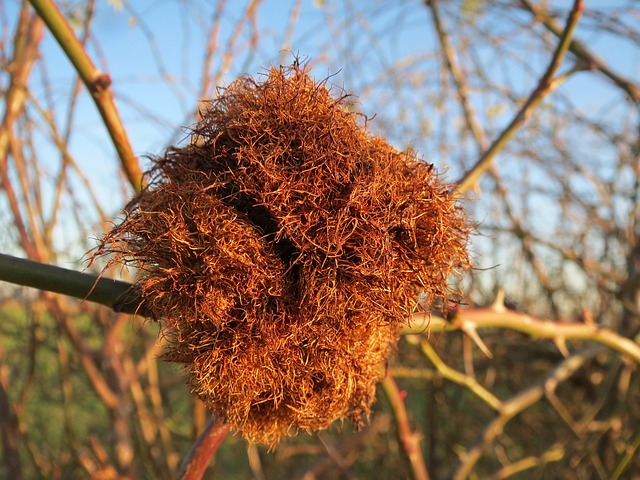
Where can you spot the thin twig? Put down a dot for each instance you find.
(9, 427)
(626, 458)
(97, 83)
(517, 404)
(29, 33)
(460, 378)
(458, 76)
(555, 453)
(546, 85)
(581, 51)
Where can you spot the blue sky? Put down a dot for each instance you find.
(401, 32)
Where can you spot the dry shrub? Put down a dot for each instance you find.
(285, 247)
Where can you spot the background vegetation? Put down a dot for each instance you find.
(544, 387)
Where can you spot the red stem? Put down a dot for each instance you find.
(203, 450)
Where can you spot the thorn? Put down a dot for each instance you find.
(470, 330)
(498, 303)
(562, 346)
(413, 339)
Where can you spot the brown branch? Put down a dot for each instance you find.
(522, 235)
(27, 38)
(153, 391)
(68, 161)
(90, 358)
(450, 57)
(62, 140)
(9, 428)
(478, 133)
(207, 82)
(229, 52)
(546, 85)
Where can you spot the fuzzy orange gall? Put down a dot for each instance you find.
(284, 249)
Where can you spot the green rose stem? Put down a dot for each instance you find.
(117, 295)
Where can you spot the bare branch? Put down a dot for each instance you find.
(581, 51)
(519, 403)
(490, 318)
(460, 378)
(97, 83)
(546, 85)
(117, 295)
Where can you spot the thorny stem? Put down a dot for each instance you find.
(482, 318)
(546, 85)
(97, 83)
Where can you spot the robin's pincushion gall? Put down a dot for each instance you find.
(283, 249)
